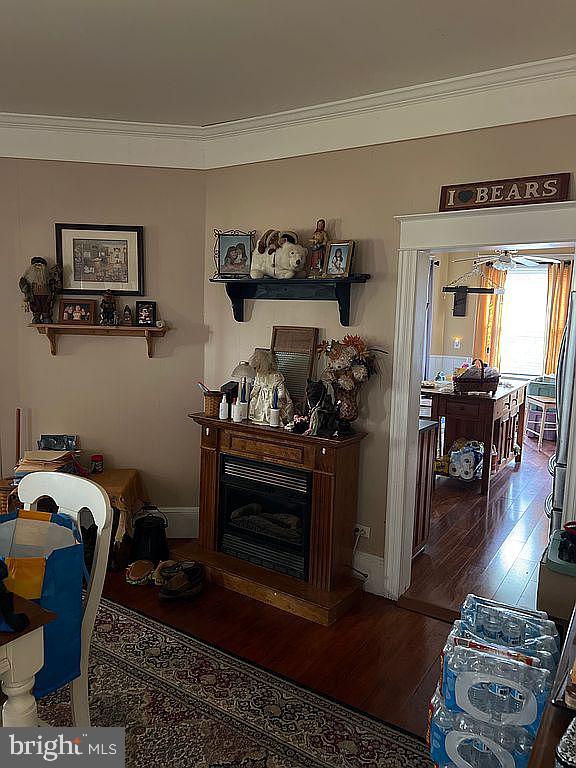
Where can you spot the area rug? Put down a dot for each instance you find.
(186, 704)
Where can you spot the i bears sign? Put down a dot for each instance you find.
(551, 188)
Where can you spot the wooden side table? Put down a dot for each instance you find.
(21, 657)
(127, 494)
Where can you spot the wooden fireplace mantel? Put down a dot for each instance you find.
(333, 463)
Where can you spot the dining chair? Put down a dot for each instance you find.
(73, 494)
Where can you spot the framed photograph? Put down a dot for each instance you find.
(77, 312)
(339, 259)
(145, 313)
(96, 258)
(233, 252)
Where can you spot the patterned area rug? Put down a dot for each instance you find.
(186, 704)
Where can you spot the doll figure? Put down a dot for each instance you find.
(268, 385)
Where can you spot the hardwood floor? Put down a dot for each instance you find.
(490, 547)
(378, 658)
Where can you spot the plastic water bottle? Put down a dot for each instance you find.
(513, 632)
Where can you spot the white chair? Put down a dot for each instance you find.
(73, 494)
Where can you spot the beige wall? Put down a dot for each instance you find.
(359, 192)
(445, 327)
(130, 408)
(134, 409)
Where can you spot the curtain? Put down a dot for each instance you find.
(559, 282)
(489, 318)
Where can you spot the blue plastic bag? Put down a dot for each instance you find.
(45, 559)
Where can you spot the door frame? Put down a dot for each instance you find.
(421, 235)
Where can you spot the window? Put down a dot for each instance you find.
(524, 321)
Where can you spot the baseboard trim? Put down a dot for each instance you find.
(373, 565)
(182, 522)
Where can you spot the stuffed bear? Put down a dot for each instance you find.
(283, 262)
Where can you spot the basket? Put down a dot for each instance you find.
(7, 489)
(463, 385)
(212, 402)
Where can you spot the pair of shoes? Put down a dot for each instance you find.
(169, 568)
(188, 582)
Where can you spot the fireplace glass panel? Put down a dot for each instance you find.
(264, 515)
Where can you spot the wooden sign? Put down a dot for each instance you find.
(550, 188)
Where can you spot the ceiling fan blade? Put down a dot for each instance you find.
(477, 258)
(524, 261)
(541, 259)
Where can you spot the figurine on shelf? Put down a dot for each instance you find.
(322, 415)
(318, 244)
(269, 389)
(108, 313)
(127, 318)
(40, 285)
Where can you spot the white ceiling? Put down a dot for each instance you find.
(198, 62)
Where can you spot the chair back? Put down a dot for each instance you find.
(72, 494)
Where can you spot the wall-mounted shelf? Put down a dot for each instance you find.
(53, 330)
(296, 288)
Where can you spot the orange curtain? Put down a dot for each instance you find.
(489, 318)
(559, 282)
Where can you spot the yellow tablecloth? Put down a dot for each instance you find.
(126, 492)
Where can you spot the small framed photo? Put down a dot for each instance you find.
(233, 252)
(145, 313)
(339, 259)
(96, 258)
(77, 312)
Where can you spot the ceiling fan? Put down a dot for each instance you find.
(509, 259)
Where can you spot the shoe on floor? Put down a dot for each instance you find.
(169, 568)
(140, 572)
(187, 583)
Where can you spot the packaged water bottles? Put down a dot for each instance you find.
(458, 740)
(493, 688)
(497, 669)
(506, 625)
(542, 649)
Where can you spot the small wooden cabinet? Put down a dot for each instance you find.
(427, 442)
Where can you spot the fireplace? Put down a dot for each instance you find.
(264, 514)
(277, 516)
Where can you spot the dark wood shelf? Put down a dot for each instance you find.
(53, 330)
(294, 289)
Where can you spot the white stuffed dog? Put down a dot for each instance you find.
(284, 262)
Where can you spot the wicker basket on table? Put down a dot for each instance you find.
(7, 494)
(478, 378)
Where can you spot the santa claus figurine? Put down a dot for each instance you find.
(40, 285)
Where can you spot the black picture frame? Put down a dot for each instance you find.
(65, 260)
(140, 305)
(232, 239)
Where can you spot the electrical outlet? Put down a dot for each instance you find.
(457, 343)
(363, 531)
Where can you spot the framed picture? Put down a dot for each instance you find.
(96, 258)
(233, 252)
(145, 313)
(58, 442)
(77, 312)
(339, 259)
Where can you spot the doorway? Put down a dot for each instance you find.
(420, 237)
(466, 541)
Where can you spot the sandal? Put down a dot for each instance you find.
(187, 583)
(139, 572)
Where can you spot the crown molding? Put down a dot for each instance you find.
(525, 92)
